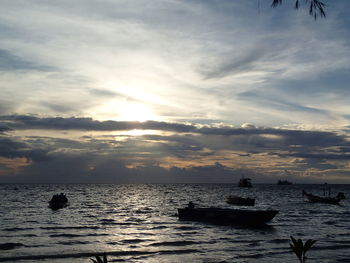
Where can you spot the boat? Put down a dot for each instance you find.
(324, 199)
(284, 182)
(245, 182)
(225, 216)
(241, 201)
(58, 201)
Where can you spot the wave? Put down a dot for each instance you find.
(262, 255)
(174, 243)
(330, 222)
(159, 227)
(92, 254)
(185, 228)
(179, 251)
(79, 235)
(133, 241)
(68, 227)
(245, 241)
(107, 220)
(75, 242)
(111, 223)
(75, 255)
(346, 260)
(335, 247)
(23, 235)
(17, 229)
(144, 211)
(9, 246)
(279, 240)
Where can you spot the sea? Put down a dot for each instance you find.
(139, 223)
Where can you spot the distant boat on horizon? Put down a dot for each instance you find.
(245, 182)
(284, 182)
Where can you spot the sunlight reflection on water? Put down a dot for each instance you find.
(138, 223)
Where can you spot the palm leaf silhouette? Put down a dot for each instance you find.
(300, 249)
(316, 7)
(100, 259)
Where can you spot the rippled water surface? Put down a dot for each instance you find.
(138, 223)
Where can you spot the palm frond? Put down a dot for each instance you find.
(300, 249)
(308, 244)
(276, 3)
(100, 259)
(316, 7)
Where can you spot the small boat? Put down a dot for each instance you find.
(284, 182)
(224, 216)
(245, 182)
(58, 201)
(324, 199)
(241, 201)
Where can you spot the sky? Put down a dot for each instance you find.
(173, 91)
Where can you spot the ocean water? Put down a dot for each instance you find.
(138, 223)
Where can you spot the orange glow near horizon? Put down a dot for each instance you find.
(13, 165)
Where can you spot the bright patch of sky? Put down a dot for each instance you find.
(204, 61)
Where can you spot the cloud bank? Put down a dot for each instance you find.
(85, 150)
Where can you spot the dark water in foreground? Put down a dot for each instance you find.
(138, 223)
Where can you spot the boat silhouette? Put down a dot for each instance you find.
(225, 216)
(245, 182)
(324, 199)
(58, 201)
(241, 201)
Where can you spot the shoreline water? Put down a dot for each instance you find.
(140, 221)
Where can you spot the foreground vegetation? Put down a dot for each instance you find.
(298, 247)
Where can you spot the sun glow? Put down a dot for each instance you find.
(135, 111)
(137, 132)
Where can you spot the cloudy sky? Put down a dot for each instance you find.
(173, 91)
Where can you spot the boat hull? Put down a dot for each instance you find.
(319, 199)
(227, 216)
(58, 201)
(57, 205)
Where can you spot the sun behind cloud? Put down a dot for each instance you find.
(135, 111)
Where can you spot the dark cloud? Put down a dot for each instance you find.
(125, 158)
(322, 156)
(286, 137)
(256, 136)
(4, 128)
(10, 62)
(59, 123)
(15, 149)
(94, 169)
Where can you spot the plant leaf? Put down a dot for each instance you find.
(276, 3)
(308, 244)
(99, 260)
(294, 241)
(297, 247)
